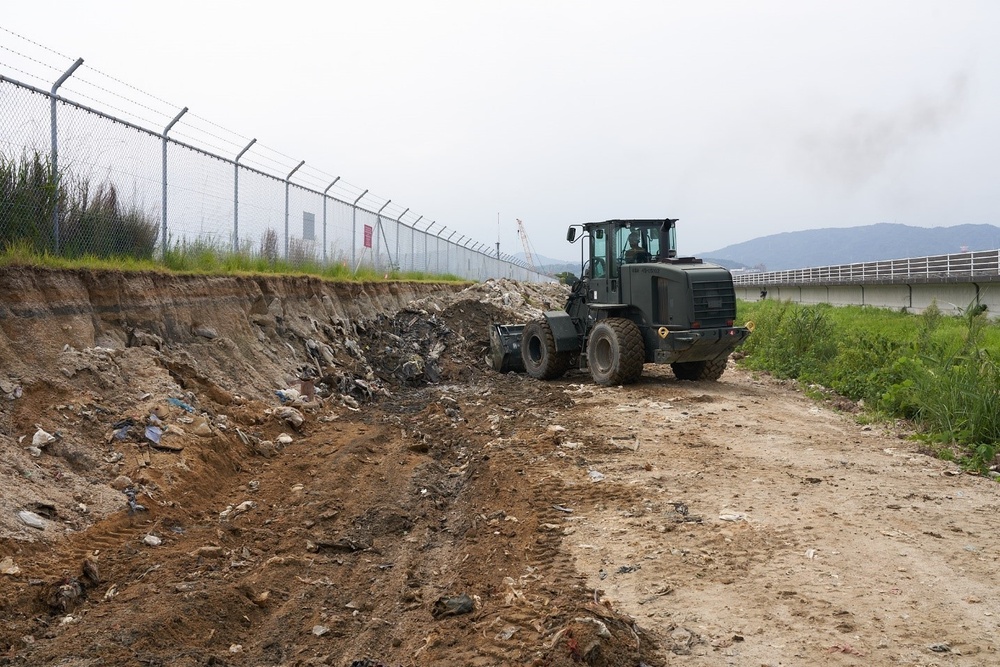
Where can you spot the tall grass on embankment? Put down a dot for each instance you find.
(941, 372)
(91, 220)
(97, 230)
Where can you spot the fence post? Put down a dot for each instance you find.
(236, 196)
(447, 252)
(287, 186)
(55, 151)
(354, 227)
(437, 250)
(324, 217)
(163, 211)
(378, 223)
(427, 263)
(399, 223)
(413, 252)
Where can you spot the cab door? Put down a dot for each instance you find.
(603, 277)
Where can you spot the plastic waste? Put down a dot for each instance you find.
(178, 403)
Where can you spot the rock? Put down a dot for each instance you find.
(209, 552)
(31, 519)
(201, 427)
(205, 332)
(8, 566)
(121, 482)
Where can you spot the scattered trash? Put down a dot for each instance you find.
(284, 439)
(320, 630)
(290, 415)
(731, 517)
(455, 606)
(152, 540)
(288, 395)
(31, 519)
(940, 648)
(42, 438)
(178, 403)
(595, 476)
(506, 633)
(120, 429)
(153, 434)
(625, 569)
(133, 506)
(560, 508)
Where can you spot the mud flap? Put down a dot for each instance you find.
(505, 348)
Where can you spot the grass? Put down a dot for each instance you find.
(941, 372)
(98, 230)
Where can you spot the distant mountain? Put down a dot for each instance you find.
(824, 247)
(551, 266)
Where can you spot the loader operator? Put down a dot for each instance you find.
(635, 254)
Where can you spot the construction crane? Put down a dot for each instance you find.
(529, 260)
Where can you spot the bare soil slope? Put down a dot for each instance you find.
(421, 509)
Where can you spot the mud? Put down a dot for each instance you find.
(421, 509)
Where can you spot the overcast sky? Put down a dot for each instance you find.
(740, 118)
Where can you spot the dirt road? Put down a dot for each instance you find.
(439, 513)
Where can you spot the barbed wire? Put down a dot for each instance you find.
(268, 160)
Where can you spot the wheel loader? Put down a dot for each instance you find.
(636, 302)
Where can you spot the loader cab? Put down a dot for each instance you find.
(645, 241)
(607, 249)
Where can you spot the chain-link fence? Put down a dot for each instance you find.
(76, 180)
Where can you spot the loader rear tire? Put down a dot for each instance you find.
(615, 352)
(700, 370)
(538, 350)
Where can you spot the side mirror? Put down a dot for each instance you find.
(571, 234)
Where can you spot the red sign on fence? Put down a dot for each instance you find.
(368, 236)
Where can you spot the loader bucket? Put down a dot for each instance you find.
(505, 348)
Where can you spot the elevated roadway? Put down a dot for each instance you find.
(954, 282)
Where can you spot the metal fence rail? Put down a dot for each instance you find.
(960, 265)
(197, 197)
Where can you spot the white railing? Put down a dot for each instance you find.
(960, 265)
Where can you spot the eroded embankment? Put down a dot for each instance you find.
(91, 360)
(238, 324)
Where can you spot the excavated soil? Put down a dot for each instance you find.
(257, 471)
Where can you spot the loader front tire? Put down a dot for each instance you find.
(538, 350)
(615, 352)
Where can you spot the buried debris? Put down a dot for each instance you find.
(455, 606)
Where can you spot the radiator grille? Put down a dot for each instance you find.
(714, 303)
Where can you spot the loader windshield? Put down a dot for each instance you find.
(641, 242)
